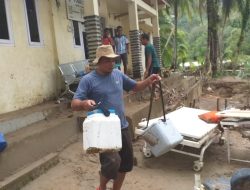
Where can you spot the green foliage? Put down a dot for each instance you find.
(196, 38)
(232, 33)
(166, 26)
(192, 33)
(167, 40)
(182, 49)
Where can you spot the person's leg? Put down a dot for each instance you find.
(149, 73)
(127, 159)
(110, 163)
(156, 70)
(124, 58)
(119, 181)
(103, 182)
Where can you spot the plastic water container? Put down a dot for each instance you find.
(3, 142)
(101, 133)
(161, 137)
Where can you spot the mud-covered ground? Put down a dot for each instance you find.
(172, 171)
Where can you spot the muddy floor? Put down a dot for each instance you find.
(172, 171)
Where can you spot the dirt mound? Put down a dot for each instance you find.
(235, 90)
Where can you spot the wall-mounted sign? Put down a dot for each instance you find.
(75, 10)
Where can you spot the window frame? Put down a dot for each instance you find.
(80, 29)
(33, 44)
(10, 41)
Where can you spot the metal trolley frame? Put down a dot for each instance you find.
(207, 137)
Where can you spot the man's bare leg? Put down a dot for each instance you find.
(103, 182)
(119, 181)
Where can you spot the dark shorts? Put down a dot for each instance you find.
(123, 58)
(122, 161)
(154, 70)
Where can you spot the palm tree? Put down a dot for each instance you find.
(212, 31)
(166, 33)
(167, 40)
(244, 9)
(183, 6)
(212, 7)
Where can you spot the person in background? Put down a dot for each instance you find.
(121, 48)
(106, 84)
(107, 39)
(151, 60)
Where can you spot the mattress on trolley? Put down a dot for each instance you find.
(187, 122)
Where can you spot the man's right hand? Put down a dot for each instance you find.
(79, 105)
(88, 104)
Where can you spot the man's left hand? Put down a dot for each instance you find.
(153, 78)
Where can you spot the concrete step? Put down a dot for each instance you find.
(25, 175)
(15, 120)
(28, 144)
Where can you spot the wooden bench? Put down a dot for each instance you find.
(72, 73)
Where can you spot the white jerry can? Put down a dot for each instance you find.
(101, 133)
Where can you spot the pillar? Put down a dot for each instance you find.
(92, 28)
(156, 31)
(135, 44)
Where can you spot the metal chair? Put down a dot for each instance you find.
(69, 76)
(80, 67)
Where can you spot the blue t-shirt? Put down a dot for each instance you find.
(120, 44)
(108, 89)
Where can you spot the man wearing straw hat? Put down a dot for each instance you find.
(105, 85)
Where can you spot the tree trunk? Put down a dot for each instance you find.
(245, 17)
(175, 34)
(213, 40)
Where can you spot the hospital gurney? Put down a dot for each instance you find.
(235, 120)
(196, 133)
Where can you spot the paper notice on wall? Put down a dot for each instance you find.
(75, 10)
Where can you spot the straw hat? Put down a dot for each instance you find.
(104, 51)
